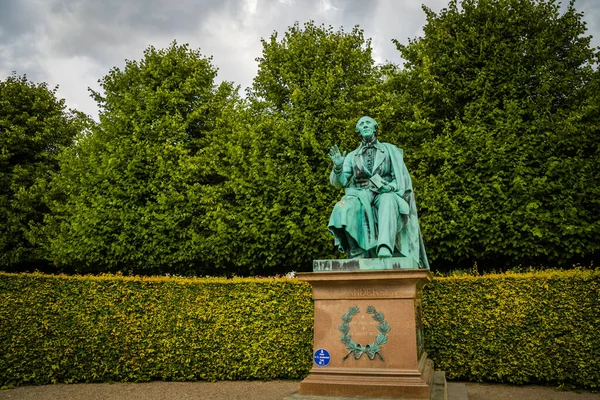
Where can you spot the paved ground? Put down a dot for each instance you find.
(250, 390)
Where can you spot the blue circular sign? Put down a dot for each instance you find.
(322, 358)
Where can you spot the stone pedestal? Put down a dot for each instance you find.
(382, 354)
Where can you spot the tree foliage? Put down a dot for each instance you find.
(497, 109)
(131, 195)
(34, 126)
(312, 85)
(500, 100)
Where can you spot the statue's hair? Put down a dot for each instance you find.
(375, 125)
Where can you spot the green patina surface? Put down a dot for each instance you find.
(356, 349)
(377, 216)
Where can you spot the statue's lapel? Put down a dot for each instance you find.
(379, 157)
(358, 161)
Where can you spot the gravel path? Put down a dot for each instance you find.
(250, 390)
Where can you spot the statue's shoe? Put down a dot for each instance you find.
(383, 251)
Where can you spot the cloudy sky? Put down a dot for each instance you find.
(73, 43)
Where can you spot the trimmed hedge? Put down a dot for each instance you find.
(541, 327)
(110, 328)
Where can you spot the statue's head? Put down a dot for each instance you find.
(367, 127)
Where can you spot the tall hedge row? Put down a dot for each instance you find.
(541, 327)
(110, 328)
(538, 327)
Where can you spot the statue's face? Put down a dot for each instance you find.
(366, 127)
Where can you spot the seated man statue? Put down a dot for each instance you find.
(377, 217)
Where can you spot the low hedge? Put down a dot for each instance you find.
(110, 328)
(541, 327)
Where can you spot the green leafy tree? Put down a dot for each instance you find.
(312, 85)
(499, 100)
(132, 195)
(34, 127)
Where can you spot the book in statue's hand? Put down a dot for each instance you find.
(378, 181)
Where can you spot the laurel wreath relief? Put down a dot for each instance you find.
(356, 349)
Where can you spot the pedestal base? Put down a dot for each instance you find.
(368, 338)
(439, 391)
(399, 384)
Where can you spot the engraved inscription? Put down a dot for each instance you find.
(361, 293)
(364, 326)
(370, 292)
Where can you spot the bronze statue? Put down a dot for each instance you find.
(377, 217)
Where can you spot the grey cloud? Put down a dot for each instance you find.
(19, 32)
(591, 15)
(73, 42)
(17, 18)
(95, 28)
(358, 10)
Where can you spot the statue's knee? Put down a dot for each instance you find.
(387, 200)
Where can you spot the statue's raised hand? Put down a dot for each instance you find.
(336, 156)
